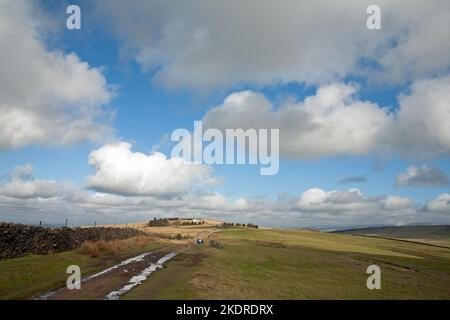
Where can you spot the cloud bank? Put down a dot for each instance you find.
(214, 45)
(52, 97)
(422, 177)
(31, 200)
(46, 96)
(334, 121)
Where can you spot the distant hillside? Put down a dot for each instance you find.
(439, 234)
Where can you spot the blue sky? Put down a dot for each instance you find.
(146, 110)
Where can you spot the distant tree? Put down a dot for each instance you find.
(158, 223)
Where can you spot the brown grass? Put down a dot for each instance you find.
(112, 247)
(173, 230)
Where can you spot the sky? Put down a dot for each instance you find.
(86, 115)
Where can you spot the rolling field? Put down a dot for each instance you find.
(275, 264)
(253, 264)
(436, 235)
(30, 276)
(194, 231)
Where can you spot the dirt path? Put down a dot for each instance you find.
(112, 282)
(179, 271)
(206, 234)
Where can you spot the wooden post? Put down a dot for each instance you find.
(67, 220)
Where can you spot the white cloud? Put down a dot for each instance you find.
(340, 208)
(330, 122)
(421, 177)
(395, 203)
(33, 189)
(336, 201)
(334, 121)
(204, 44)
(119, 170)
(423, 118)
(46, 96)
(22, 185)
(29, 200)
(440, 204)
(418, 40)
(51, 97)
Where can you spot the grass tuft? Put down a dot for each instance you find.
(95, 249)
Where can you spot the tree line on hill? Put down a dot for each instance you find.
(241, 225)
(158, 222)
(163, 222)
(193, 223)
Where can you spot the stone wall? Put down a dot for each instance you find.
(17, 240)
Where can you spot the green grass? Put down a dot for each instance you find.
(166, 283)
(295, 264)
(23, 277)
(434, 235)
(30, 276)
(259, 264)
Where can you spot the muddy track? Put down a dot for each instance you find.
(207, 234)
(112, 282)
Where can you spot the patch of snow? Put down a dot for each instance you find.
(137, 280)
(123, 263)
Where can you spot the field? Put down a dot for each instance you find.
(436, 235)
(253, 264)
(30, 276)
(193, 231)
(275, 264)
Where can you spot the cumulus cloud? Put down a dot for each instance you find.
(30, 200)
(331, 122)
(353, 203)
(343, 208)
(334, 121)
(353, 179)
(440, 204)
(319, 200)
(32, 189)
(206, 44)
(396, 203)
(422, 177)
(46, 96)
(422, 119)
(22, 185)
(119, 170)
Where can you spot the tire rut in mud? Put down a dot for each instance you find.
(99, 285)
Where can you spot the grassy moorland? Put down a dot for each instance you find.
(434, 235)
(253, 264)
(30, 276)
(173, 229)
(298, 264)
